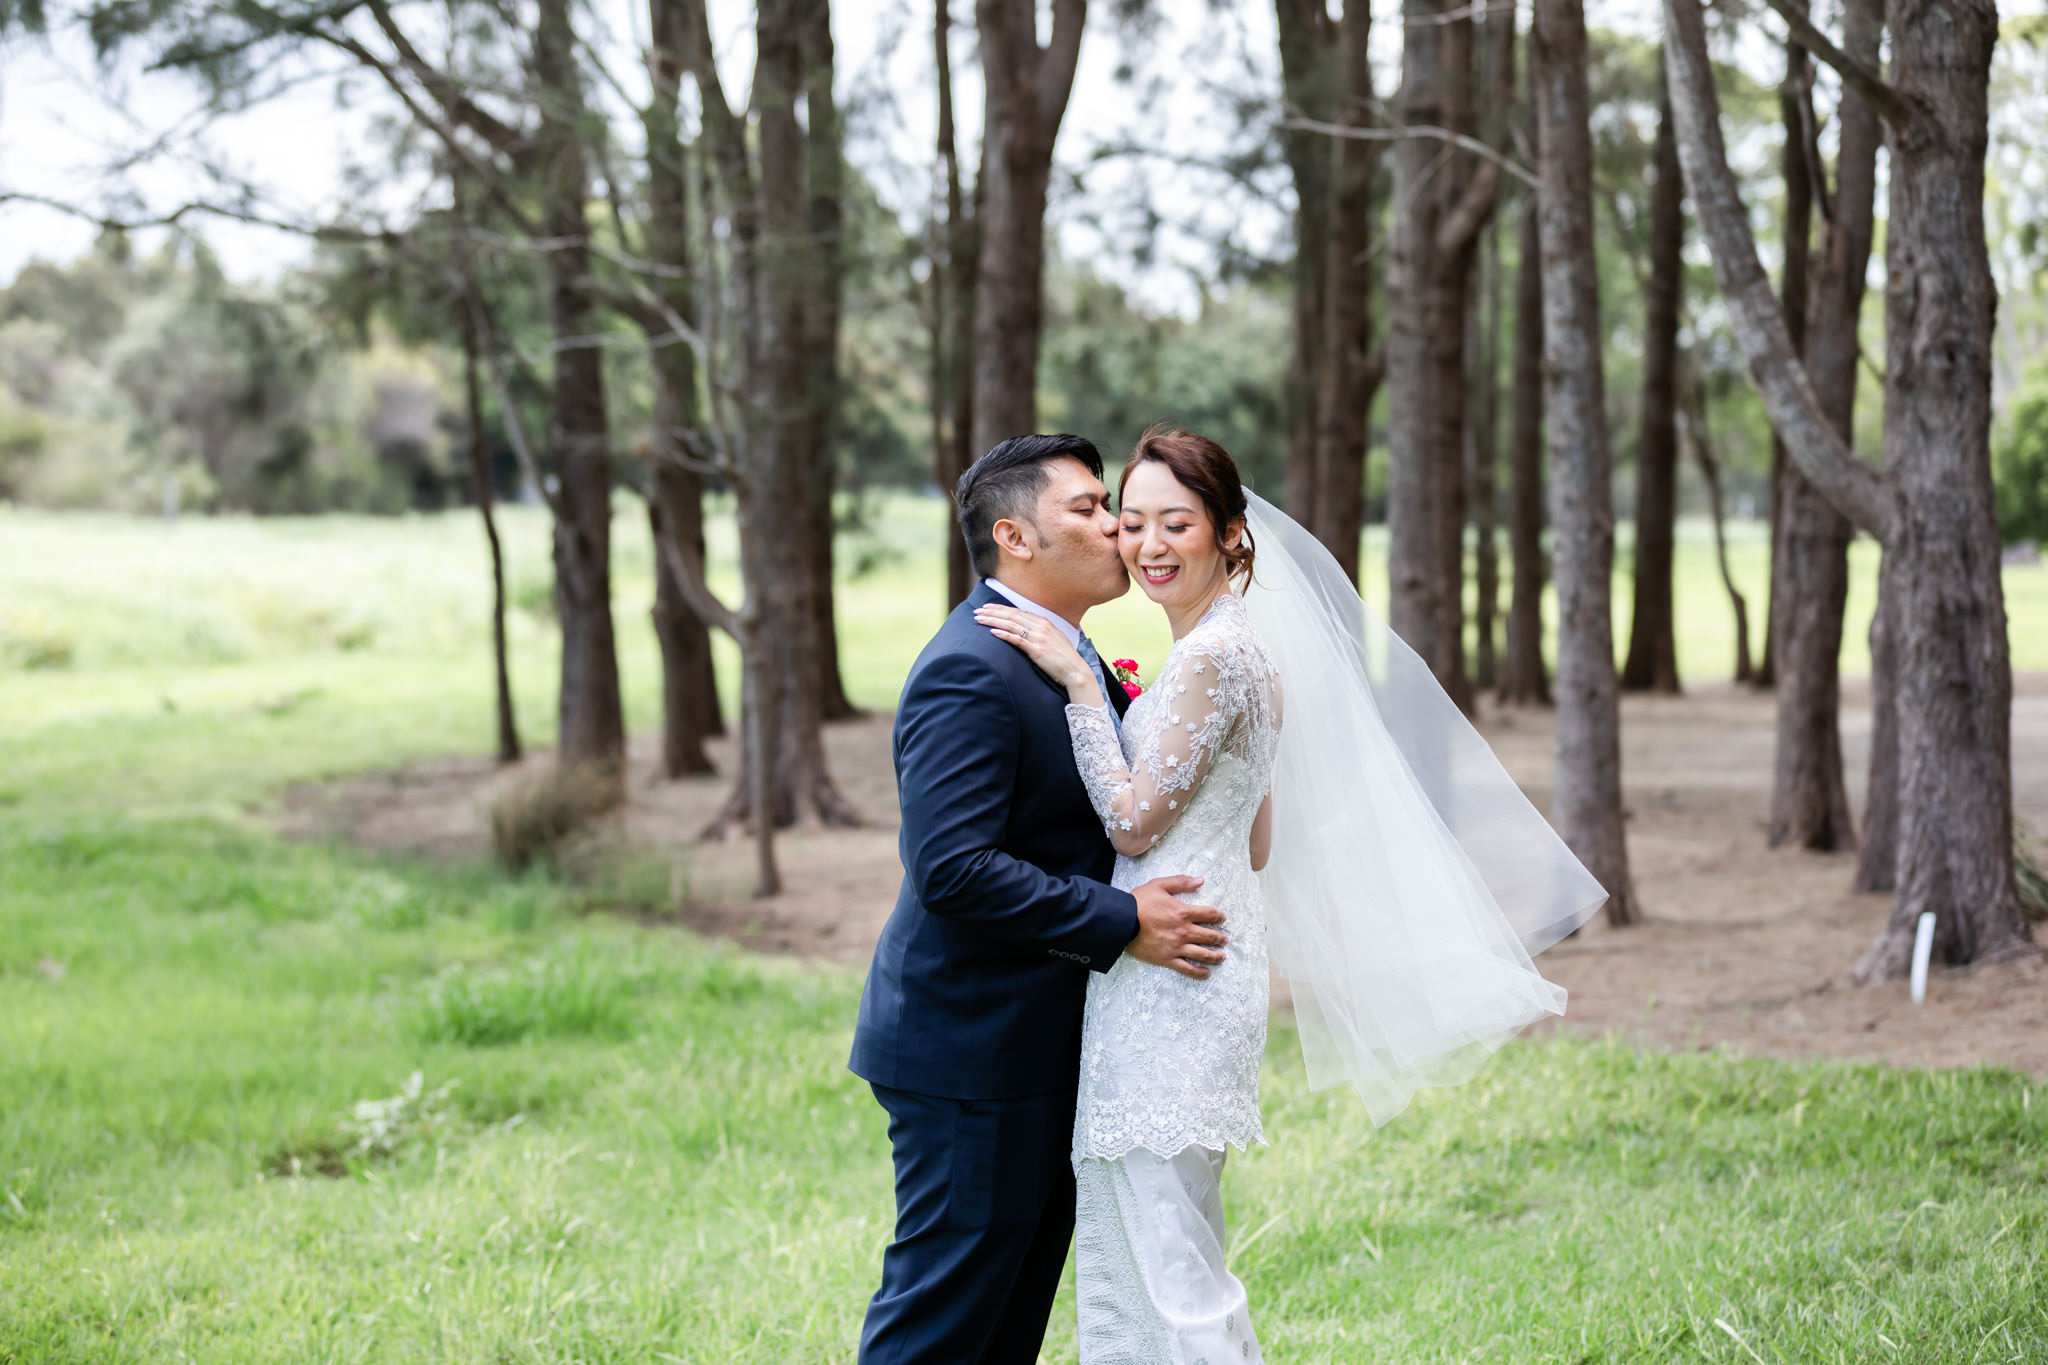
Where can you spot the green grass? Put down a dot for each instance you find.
(626, 1144)
(275, 1102)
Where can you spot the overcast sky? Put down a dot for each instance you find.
(64, 123)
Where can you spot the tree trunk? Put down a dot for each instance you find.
(1350, 372)
(1877, 861)
(782, 476)
(1524, 680)
(1809, 796)
(952, 286)
(1026, 89)
(592, 722)
(1430, 271)
(1483, 441)
(768, 241)
(1794, 101)
(750, 443)
(690, 712)
(1652, 664)
(1311, 61)
(486, 497)
(689, 682)
(1693, 415)
(824, 179)
(1587, 800)
(1415, 332)
(1954, 684)
(1931, 507)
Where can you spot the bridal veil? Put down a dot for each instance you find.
(1410, 880)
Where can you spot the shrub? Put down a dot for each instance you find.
(535, 813)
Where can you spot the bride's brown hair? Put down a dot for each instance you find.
(1206, 470)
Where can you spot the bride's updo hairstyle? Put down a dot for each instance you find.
(1206, 470)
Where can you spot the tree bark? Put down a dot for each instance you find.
(1652, 664)
(1525, 680)
(1483, 441)
(767, 243)
(1310, 62)
(1932, 506)
(784, 475)
(486, 498)
(1587, 800)
(1693, 416)
(1877, 861)
(1794, 100)
(824, 178)
(952, 285)
(1026, 89)
(748, 446)
(690, 712)
(1809, 796)
(1417, 329)
(1350, 372)
(592, 721)
(1954, 682)
(1428, 275)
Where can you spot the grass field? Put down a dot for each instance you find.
(201, 665)
(628, 1144)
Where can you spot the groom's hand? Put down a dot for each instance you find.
(1174, 934)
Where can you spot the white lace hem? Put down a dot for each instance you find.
(1167, 1140)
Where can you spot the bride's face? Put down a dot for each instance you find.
(1168, 540)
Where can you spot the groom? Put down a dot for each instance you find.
(970, 1026)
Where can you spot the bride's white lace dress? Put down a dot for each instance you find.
(1170, 1065)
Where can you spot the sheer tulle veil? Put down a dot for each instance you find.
(1410, 880)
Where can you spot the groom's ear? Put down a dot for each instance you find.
(1010, 538)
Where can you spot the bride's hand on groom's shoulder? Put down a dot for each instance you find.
(1173, 934)
(1046, 647)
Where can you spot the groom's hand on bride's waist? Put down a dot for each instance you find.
(1185, 938)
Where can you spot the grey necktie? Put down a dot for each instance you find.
(1094, 661)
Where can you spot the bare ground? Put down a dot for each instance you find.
(1744, 946)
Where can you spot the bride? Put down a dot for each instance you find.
(1294, 754)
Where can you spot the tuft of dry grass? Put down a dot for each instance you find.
(536, 812)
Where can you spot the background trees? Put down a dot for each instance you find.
(603, 254)
(1931, 506)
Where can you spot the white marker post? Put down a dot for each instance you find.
(1923, 947)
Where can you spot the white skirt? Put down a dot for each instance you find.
(1148, 1258)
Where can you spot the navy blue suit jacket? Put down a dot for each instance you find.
(976, 988)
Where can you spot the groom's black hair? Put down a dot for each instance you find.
(1006, 482)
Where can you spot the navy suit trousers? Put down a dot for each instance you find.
(984, 1214)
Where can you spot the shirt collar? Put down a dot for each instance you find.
(1023, 603)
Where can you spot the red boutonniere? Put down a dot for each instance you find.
(1126, 671)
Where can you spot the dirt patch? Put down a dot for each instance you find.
(1744, 946)
(841, 883)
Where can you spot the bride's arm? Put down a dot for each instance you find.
(1190, 719)
(1196, 705)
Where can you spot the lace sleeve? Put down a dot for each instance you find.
(1188, 724)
